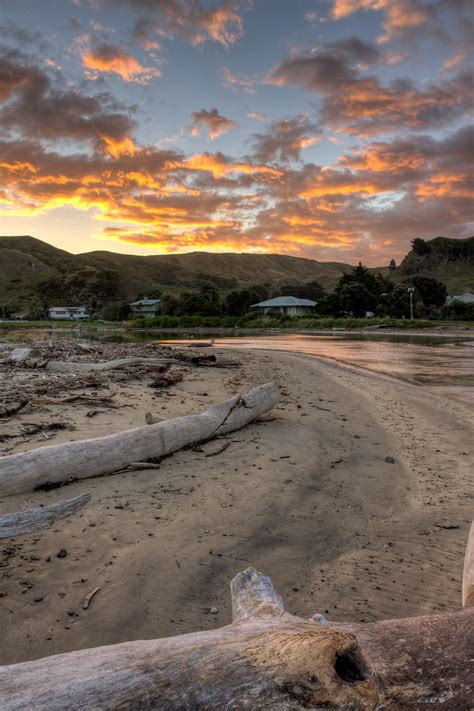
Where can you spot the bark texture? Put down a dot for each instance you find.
(266, 659)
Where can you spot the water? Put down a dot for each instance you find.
(442, 364)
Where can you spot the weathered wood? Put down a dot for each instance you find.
(468, 573)
(152, 418)
(32, 520)
(266, 659)
(275, 661)
(20, 355)
(170, 377)
(104, 455)
(253, 595)
(64, 366)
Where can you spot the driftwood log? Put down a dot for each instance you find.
(32, 520)
(265, 659)
(64, 366)
(58, 463)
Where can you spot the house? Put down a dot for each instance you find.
(71, 313)
(288, 305)
(146, 307)
(466, 298)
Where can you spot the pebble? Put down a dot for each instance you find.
(390, 460)
(213, 610)
(61, 553)
(37, 599)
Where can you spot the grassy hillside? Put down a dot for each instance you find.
(448, 260)
(29, 268)
(34, 271)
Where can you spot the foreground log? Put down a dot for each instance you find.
(265, 659)
(58, 463)
(32, 520)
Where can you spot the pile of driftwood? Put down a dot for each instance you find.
(265, 659)
(48, 372)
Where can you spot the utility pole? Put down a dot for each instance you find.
(411, 291)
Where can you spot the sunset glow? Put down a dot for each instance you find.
(331, 129)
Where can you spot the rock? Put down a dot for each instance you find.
(3, 593)
(37, 599)
(213, 610)
(390, 460)
(61, 553)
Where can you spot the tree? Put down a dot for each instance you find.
(356, 298)
(420, 247)
(399, 305)
(432, 291)
(393, 265)
(360, 275)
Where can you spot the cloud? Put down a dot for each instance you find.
(285, 139)
(215, 124)
(361, 104)
(367, 205)
(411, 19)
(189, 19)
(35, 108)
(231, 80)
(257, 116)
(108, 58)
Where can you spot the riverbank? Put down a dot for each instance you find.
(306, 495)
(228, 325)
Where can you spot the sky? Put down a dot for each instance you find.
(336, 130)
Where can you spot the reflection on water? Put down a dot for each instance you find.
(443, 364)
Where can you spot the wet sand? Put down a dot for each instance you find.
(305, 495)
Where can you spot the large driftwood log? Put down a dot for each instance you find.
(64, 366)
(104, 455)
(32, 520)
(266, 659)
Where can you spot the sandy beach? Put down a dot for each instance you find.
(305, 495)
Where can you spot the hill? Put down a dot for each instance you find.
(32, 269)
(448, 260)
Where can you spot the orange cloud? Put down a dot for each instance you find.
(212, 120)
(108, 58)
(121, 147)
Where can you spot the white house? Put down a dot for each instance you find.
(288, 305)
(146, 307)
(68, 312)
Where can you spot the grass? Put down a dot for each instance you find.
(164, 322)
(210, 322)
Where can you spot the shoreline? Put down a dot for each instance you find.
(305, 495)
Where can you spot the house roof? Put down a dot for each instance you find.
(284, 301)
(145, 302)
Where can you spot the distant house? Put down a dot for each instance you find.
(288, 305)
(466, 298)
(146, 307)
(68, 312)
